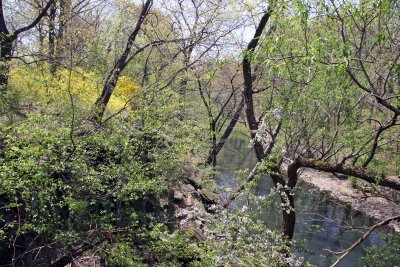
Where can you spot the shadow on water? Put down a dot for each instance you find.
(323, 225)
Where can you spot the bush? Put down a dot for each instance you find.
(56, 193)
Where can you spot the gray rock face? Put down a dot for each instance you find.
(191, 204)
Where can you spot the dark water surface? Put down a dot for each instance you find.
(322, 224)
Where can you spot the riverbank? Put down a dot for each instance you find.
(372, 204)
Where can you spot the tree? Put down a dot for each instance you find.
(367, 58)
(59, 15)
(123, 61)
(310, 127)
(261, 151)
(218, 87)
(7, 39)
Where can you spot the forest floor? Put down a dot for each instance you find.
(373, 203)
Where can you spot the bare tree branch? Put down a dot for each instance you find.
(364, 237)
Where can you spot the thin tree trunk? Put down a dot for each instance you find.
(65, 9)
(212, 157)
(52, 37)
(213, 140)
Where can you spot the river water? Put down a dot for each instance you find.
(322, 224)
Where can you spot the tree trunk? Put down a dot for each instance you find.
(217, 148)
(288, 213)
(248, 85)
(213, 141)
(6, 41)
(288, 216)
(5, 54)
(65, 10)
(112, 79)
(286, 196)
(52, 38)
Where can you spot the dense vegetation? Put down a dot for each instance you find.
(113, 114)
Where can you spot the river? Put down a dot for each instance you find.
(322, 224)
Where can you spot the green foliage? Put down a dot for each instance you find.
(386, 255)
(55, 189)
(9, 107)
(66, 181)
(323, 110)
(246, 241)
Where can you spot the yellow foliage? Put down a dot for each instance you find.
(124, 91)
(38, 85)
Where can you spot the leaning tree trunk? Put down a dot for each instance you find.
(113, 76)
(212, 156)
(284, 188)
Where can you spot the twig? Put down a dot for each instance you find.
(364, 237)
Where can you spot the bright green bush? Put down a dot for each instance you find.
(57, 191)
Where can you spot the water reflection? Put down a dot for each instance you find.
(322, 224)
